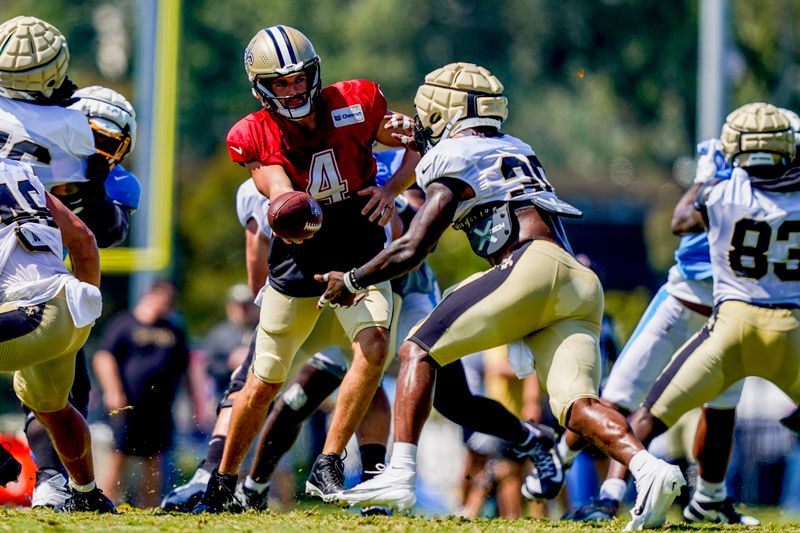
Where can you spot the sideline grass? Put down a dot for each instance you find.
(323, 520)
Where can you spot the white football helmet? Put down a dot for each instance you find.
(33, 58)
(758, 134)
(281, 51)
(112, 118)
(455, 97)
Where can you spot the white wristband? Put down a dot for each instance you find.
(348, 282)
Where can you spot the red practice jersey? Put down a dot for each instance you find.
(331, 164)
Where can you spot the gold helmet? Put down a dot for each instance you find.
(758, 134)
(112, 119)
(33, 58)
(281, 51)
(455, 97)
(794, 120)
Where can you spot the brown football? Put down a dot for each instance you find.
(294, 215)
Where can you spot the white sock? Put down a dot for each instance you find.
(641, 462)
(89, 487)
(613, 489)
(404, 456)
(710, 492)
(250, 484)
(568, 455)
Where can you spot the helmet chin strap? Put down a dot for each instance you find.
(448, 129)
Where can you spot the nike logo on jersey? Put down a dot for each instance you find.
(237, 150)
(346, 116)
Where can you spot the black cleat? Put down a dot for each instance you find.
(722, 512)
(326, 479)
(252, 499)
(547, 477)
(220, 496)
(93, 501)
(599, 510)
(9, 467)
(377, 510)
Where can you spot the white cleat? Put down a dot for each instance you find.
(655, 492)
(393, 488)
(716, 512)
(51, 491)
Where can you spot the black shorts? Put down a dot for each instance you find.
(141, 435)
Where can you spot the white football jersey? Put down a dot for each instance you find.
(754, 237)
(53, 140)
(499, 168)
(696, 291)
(31, 267)
(250, 203)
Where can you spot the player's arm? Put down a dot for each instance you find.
(271, 180)
(701, 200)
(256, 256)
(78, 239)
(407, 252)
(685, 218)
(106, 369)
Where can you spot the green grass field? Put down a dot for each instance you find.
(325, 519)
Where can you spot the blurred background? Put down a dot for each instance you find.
(606, 91)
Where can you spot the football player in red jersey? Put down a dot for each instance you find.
(320, 141)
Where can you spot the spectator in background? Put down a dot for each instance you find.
(227, 342)
(142, 359)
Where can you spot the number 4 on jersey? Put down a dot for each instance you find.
(325, 183)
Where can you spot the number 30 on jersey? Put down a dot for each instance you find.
(325, 183)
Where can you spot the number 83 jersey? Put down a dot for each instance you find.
(754, 237)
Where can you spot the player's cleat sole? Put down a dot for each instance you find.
(720, 512)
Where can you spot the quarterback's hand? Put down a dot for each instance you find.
(380, 206)
(336, 293)
(402, 128)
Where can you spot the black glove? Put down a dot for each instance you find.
(97, 169)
